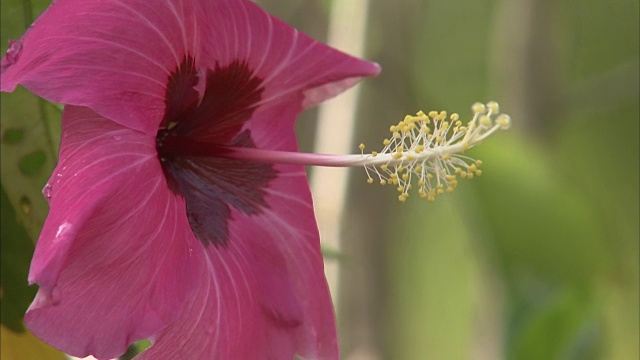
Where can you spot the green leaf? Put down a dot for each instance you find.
(541, 229)
(30, 130)
(15, 256)
(13, 136)
(31, 163)
(562, 326)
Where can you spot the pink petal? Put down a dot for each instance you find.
(112, 261)
(265, 295)
(116, 56)
(289, 62)
(112, 56)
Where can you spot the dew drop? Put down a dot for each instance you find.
(13, 53)
(48, 190)
(25, 205)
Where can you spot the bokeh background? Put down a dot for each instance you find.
(536, 259)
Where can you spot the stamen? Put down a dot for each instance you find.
(427, 150)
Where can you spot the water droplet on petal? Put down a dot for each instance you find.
(48, 190)
(13, 53)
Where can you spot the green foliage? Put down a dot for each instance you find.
(551, 267)
(30, 130)
(16, 250)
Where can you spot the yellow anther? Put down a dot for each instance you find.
(478, 172)
(370, 181)
(400, 169)
(409, 158)
(418, 168)
(393, 176)
(383, 182)
(485, 121)
(478, 163)
(361, 146)
(440, 191)
(420, 182)
(419, 149)
(472, 168)
(504, 121)
(429, 176)
(478, 108)
(397, 155)
(400, 189)
(454, 117)
(446, 157)
(384, 167)
(405, 176)
(392, 128)
(374, 153)
(493, 107)
(386, 142)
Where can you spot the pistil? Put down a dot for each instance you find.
(425, 150)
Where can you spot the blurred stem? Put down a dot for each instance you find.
(525, 62)
(334, 135)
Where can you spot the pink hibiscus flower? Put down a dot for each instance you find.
(154, 232)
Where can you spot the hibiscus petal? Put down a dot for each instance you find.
(112, 56)
(264, 296)
(112, 261)
(288, 61)
(116, 57)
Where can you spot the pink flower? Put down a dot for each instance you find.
(150, 233)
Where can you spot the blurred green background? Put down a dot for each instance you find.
(536, 259)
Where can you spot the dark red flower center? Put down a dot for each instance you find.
(211, 106)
